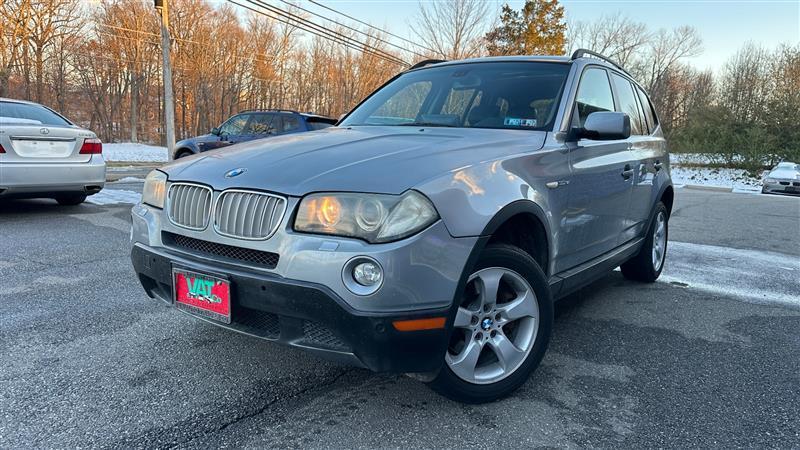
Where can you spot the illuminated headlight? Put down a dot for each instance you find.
(374, 218)
(154, 189)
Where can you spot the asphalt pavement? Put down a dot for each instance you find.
(707, 357)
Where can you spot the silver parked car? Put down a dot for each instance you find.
(42, 154)
(782, 179)
(431, 230)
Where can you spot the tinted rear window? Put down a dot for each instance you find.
(37, 113)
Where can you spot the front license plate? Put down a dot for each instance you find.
(792, 189)
(203, 295)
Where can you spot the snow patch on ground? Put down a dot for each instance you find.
(114, 196)
(736, 179)
(135, 152)
(130, 180)
(734, 272)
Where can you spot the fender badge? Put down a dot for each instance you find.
(235, 172)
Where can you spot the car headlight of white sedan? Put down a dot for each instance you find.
(155, 188)
(375, 218)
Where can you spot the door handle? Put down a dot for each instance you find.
(627, 172)
(657, 165)
(555, 184)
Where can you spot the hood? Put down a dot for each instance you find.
(374, 159)
(784, 174)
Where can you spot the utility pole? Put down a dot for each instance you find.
(169, 104)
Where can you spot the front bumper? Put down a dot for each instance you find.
(32, 179)
(789, 187)
(305, 315)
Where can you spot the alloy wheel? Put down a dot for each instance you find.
(495, 326)
(659, 240)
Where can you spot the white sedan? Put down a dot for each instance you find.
(783, 179)
(44, 155)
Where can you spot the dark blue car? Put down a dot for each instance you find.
(249, 125)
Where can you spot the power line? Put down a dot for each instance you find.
(353, 29)
(323, 29)
(373, 27)
(318, 30)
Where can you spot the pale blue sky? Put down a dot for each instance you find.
(724, 25)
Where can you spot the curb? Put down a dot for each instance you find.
(701, 187)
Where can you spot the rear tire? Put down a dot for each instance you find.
(647, 265)
(71, 200)
(504, 327)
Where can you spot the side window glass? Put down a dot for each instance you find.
(628, 103)
(648, 110)
(259, 124)
(290, 123)
(594, 94)
(234, 125)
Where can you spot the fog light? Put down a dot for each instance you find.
(367, 274)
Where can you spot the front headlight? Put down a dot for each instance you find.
(373, 217)
(770, 180)
(155, 187)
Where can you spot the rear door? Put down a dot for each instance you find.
(648, 153)
(638, 155)
(600, 186)
(31, 133)
(290, 123)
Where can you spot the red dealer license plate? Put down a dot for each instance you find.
(203, 295)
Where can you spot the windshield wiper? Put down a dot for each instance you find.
(426, 124)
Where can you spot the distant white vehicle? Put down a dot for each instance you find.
(783, 179)
(44, 155)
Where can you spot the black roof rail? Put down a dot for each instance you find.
(581, 52)
(426, 62)
(270, 110)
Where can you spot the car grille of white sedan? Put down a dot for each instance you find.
(248, 214)
(189, 205)
(237, 213)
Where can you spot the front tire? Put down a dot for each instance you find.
(647, 265)
(71, 200)
(183, 154)
(501, 330)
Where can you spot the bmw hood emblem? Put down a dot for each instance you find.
(235, 172)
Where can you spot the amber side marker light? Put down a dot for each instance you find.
(432, 323)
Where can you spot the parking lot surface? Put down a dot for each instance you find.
(706, 357)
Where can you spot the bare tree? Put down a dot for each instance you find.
(453, 28)
(615, 36)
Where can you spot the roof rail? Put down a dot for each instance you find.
(581, 52)
(270, 110)
(426, 62)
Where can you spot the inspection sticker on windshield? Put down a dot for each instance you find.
(512, 122)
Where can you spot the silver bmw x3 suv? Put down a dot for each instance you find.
(431, 230)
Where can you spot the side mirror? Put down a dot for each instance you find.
(215, 131)
(605, 126)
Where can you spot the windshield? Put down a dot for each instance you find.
(510, 95)
(10, 112)
(786, 165)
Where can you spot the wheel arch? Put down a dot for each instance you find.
(524, 224)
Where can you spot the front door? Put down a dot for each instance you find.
(601, 181)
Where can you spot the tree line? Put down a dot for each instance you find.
(99, 64)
